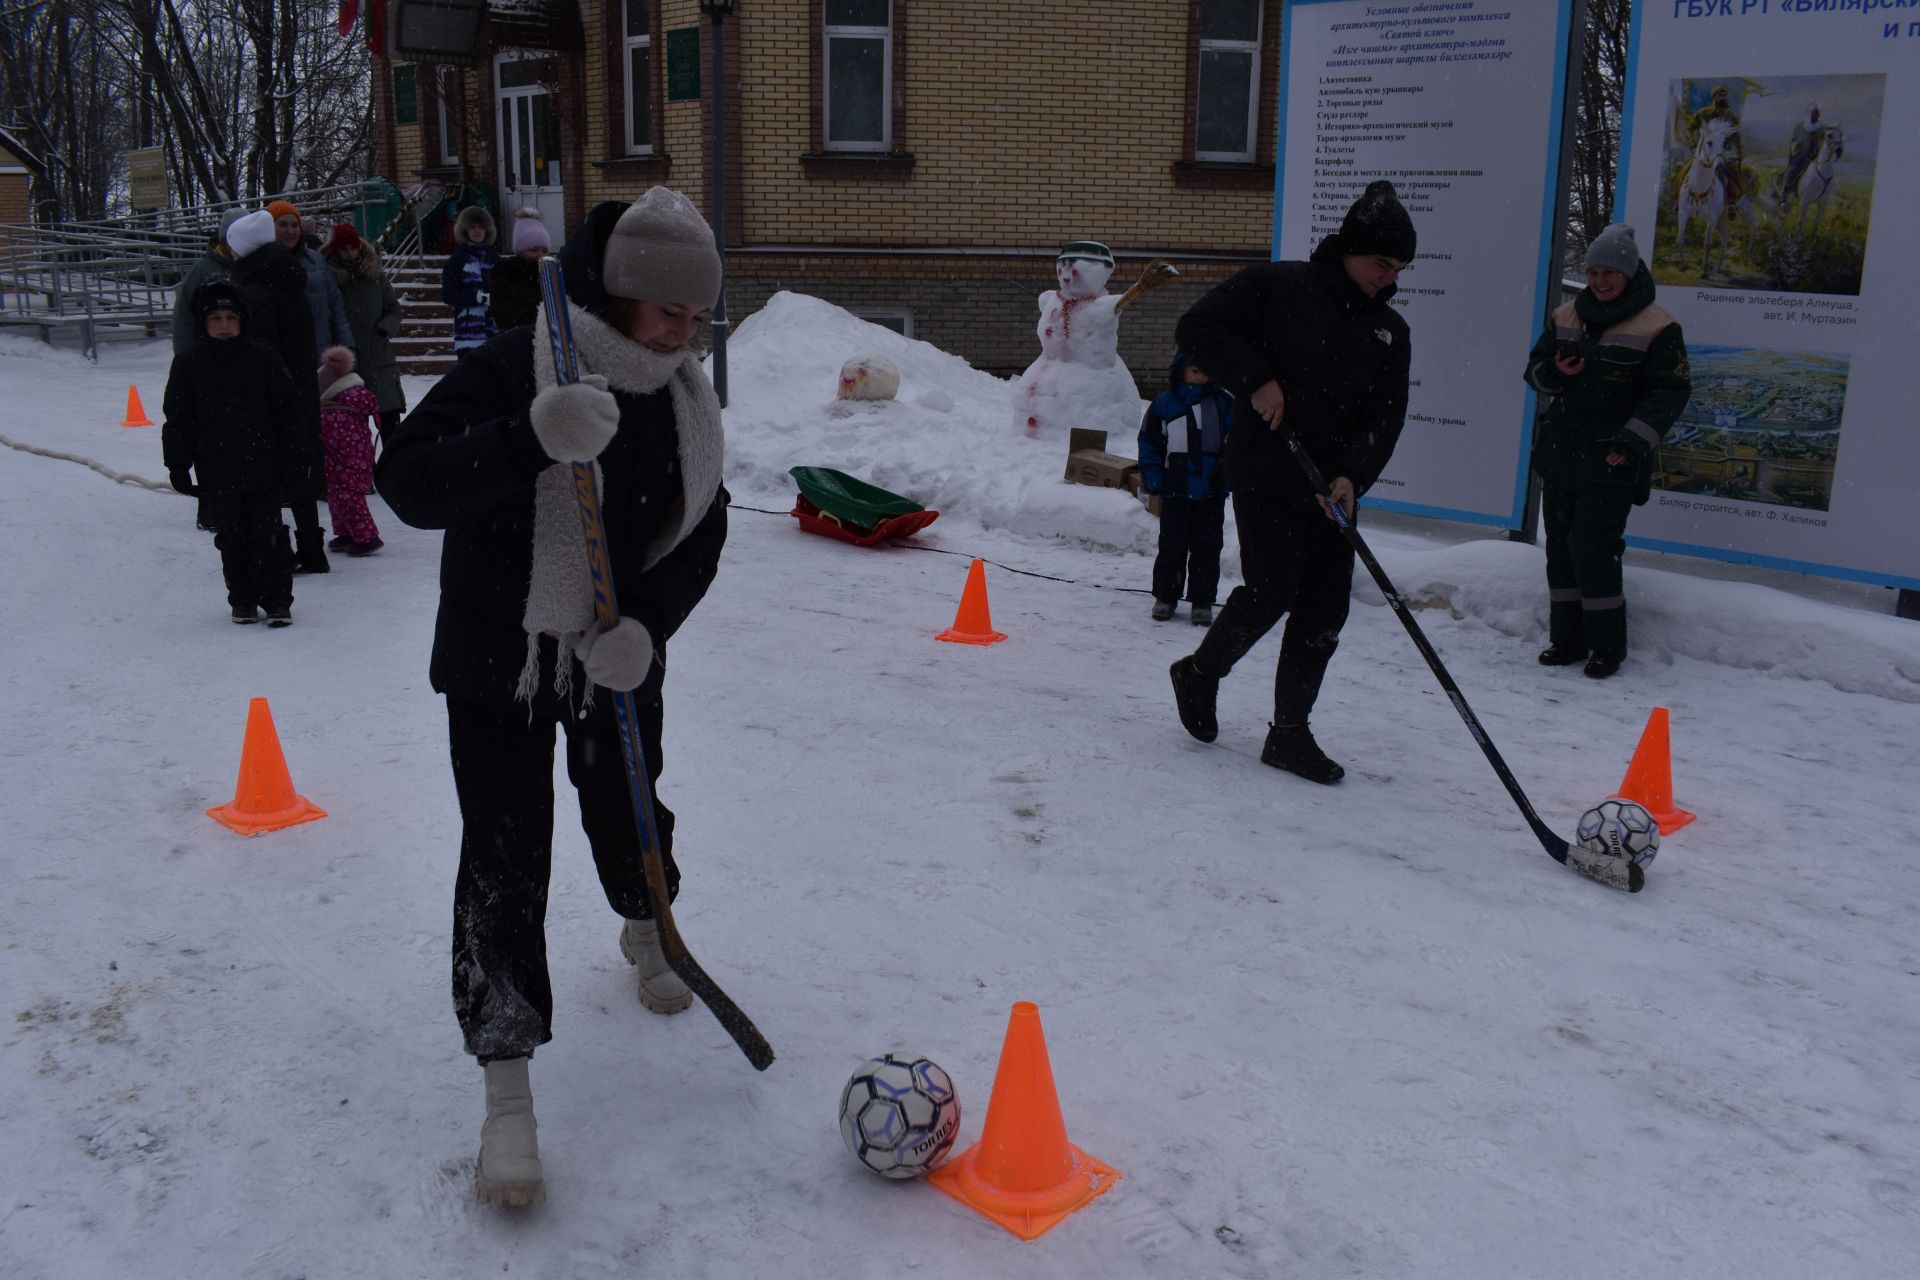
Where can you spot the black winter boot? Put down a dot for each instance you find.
(1604, 662)
(311, 558)
(1291, 747)
(1194, 695)
(1562, 655)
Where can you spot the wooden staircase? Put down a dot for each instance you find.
(425, 343)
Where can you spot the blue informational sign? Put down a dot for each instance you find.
(1459, 105)
(1769, 167)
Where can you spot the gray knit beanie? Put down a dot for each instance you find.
(662, 250)
(1615, 248)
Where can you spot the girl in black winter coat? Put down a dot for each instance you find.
(515, 648)
(231, 421)
(274, 288)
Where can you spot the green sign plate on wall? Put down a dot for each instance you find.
(406, 95)
(683, 64)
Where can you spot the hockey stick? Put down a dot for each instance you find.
(606, 612)
(1606, 869)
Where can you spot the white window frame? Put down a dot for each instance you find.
(880, 314)
(446, 83)
(831, 32)
(629, 41)
(1252, 49)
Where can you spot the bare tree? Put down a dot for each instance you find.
(1596, 145)
(245, 97)
(62, 86)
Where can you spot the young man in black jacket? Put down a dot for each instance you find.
(1312, 348)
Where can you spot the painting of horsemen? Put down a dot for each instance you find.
(1768, 182)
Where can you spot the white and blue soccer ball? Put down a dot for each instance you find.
(1617, 828)
(899, 1115)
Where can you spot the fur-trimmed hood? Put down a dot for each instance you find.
(474, 216)
(368, 268)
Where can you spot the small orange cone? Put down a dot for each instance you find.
(1649, 780)
(973, 621)
(1023, 1173)
(136, 414)
(263, 797)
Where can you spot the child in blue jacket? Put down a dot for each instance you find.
(1181, 440)
(465, 283)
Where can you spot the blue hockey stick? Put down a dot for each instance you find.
(606, 612)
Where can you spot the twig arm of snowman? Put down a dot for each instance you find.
(1152, 276)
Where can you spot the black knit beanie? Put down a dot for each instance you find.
(1378, 223)
(214, 294)
(581, 259)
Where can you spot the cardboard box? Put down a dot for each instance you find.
(1088, 461)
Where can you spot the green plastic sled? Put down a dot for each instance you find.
(840, 494)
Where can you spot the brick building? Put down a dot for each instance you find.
(17, 166)
(916, 163)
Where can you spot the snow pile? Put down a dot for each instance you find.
(945, 441)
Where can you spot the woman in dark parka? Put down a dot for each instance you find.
(274, 288)
(516, 651)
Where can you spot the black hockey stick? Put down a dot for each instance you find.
(606, 612)
(1606, 869)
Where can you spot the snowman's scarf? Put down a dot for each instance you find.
(560, 587)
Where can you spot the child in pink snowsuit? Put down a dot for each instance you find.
(345, 409)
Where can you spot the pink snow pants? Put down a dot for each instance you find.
(349, 448)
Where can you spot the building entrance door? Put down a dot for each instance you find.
(529, 143)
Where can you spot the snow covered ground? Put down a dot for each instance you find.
(1368, 1030)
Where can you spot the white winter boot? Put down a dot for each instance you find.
(508, 1172)
(660, 987)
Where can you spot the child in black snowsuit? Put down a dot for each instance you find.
(231, 417)
(1181, 439)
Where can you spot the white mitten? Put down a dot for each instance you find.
(617, 659)
(575, 422)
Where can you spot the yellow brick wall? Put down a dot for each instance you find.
(1030, 125)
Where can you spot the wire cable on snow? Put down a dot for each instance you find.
(945, 551)
(118, 477)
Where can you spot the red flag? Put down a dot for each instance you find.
(349, 10)
(377, 27)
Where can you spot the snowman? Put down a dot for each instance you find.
(1079, 380)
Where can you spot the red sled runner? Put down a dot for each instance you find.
(834, 504)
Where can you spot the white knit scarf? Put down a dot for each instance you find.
(560, 589)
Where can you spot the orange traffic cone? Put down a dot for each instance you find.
(1023, 1173)
(136, 414)
(1649, 780)
(263, 797)
(973, 621)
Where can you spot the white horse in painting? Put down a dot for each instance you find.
(1703, 194)
(1815, 187)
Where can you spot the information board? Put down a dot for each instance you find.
(1769, 176)
(1459, 106)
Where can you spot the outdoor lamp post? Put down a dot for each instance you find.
(718, 10)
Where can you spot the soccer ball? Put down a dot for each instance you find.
(1619, 828)
(899, 1115)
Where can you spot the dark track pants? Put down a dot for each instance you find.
(503, 774)
(1191, 532)
(254, 556)
(1296, 563)
(1586, 607)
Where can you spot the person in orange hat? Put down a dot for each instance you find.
(331, 328)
